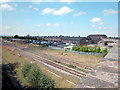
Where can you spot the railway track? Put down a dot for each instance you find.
(47, 61)
(59, 65)
(81, 65)
(53, 64)
(87, 67)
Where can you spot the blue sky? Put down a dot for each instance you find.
(60, 18)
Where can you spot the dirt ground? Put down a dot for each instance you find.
(90, 60)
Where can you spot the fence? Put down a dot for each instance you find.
(81, 53)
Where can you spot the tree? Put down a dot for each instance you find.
(36, 78)
(25, 69)
(105, 50)
(32, 76)
(98, 50)
(16, 36)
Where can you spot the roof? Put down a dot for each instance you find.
(96, 35)
(72, 38)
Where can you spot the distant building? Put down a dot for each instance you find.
(107, 42)
(90, 39)
(84, 41)
(68, 39)
(53, 38)
(95, 38)
(74, 40)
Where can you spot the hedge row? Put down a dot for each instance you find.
(94, 49)
(35, 77)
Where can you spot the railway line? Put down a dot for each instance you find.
(69, 70)
(80, 65)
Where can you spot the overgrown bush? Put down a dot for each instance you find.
(57, 61)
(94, 49)
(98, 50)
(72, 66)
(105, 50)
(36, 78)
(26, 68)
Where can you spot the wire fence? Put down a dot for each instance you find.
(77, 52)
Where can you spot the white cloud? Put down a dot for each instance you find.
(36, 9)
(4, 1)
(30, 6)
(71, 22)
(38, 25)
(15, 5)
(110, 28)
(6, 27)
(38, 1)
(61, 11)
(96, 19)
(80, 13)
(47, 11)
(93, 26)
(67, 1)
(48, 24)
(105, 28)
(99, 27)
(8, 30)
(22, 10)
(6, 7)
(57, 24)
(101, 23)
(107, 12)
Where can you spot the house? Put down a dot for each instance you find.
(95, 38)
(53, 38)
(84, 41)
(68, 39)
(107, 42)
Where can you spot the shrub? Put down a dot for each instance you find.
(25, 69)
(32, 76)
(94, 49)
(85, 49)
(57, 61)
(105, 50)
(72, 66)
(98, 50)
(36, 78)
(66, 51)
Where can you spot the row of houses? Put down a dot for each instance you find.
(90, 39)
(93, 39)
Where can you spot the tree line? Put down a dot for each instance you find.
(94, 49)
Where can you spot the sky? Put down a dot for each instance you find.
(59, 18)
